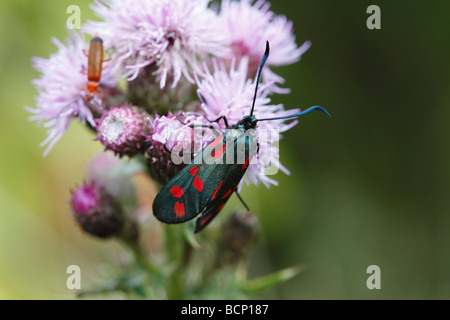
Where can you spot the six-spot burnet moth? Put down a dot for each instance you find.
(205, 185)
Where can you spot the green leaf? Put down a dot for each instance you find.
(268, 281)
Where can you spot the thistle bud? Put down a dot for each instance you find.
(97, 212)
(238, 233)
(124, 130)
(160, 164)
(144, 91)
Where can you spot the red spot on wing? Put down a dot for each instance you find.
(217, 189)
(215, 142)
(220, 207)
(227, 194)
(179, 209)
(176, 191)
(198, 184)
(206, 219)
(193, 170)
(218, 151)
(246, 163)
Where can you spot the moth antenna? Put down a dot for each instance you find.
(261, 65)
(299, 114)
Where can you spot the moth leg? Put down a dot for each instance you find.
(191, 152)
(239, 197)
(194, 125)
(216, 133)
(218, 119)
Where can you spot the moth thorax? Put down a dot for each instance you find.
(248, 122)
(241, 145)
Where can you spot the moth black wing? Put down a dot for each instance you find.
(205, 187)
(188, 193)
(220, 196)
(234, 174)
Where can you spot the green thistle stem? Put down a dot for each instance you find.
(174, 243)
(209, 271)
(141, 259)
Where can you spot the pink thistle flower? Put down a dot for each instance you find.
(61, 96)
(170, 36)
(230, 94)
(170, 138)
(124, 130)
(247, 25)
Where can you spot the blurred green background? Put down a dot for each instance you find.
(367, 187)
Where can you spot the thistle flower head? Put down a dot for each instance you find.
(97, 213)
(167, 133)
(172, 35)
(173, 144)
(124, 129)
(230, 94)
(61, 89)
(248, 24)
(238, 232)
(171, 139)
